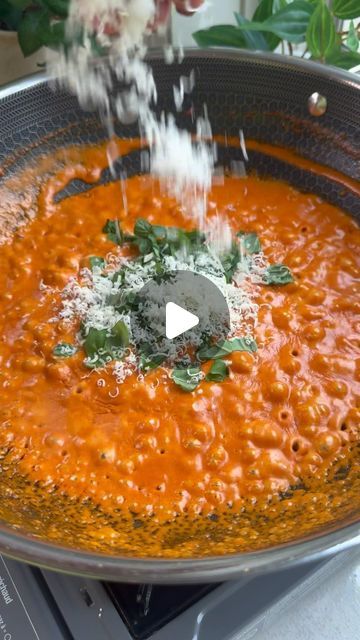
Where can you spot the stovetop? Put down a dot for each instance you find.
(42, 605)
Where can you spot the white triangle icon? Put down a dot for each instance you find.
(178, 320)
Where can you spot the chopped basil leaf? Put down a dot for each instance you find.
(95, 261)
(160, 241)
(151, 361)
(114, 232)
(144, 246)
(64, 350)
(218, 372)
(148, 359)
(230, 262)
(142, 228)
(187, 379)
(195, 236)
(119, 335)
(123, 301)
(226, 347)
(154, 244)
(277, 274)
(160, 232)
(251, 242)
(175, 237)
(101, 347)
(95, 341)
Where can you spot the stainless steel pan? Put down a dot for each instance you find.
(268, 96)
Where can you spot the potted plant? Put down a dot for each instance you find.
(312, 26)
(26, 26)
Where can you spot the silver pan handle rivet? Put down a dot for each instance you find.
(317, 104)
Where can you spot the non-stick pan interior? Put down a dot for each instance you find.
(267, 97)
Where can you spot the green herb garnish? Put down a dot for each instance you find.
(152, 361)
(101, 346)
(278, 274)
(95, 342)
(142, 228)
(187, 379)
(64, 350)
(226, 347)
(230, 262)
(155, 240)
(114, 232)
(251, 242)
(154, 244)
(218, 373)
(95, 261)
(119, 336)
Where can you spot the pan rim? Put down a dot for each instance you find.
(229, 53)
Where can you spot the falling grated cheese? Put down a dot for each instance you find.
(183, 166)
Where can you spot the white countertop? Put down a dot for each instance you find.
(327, 611)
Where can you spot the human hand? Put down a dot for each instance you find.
(185, 7)
(161, 17)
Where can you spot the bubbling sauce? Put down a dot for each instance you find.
(287, 412)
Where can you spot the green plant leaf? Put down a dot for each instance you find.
(55, 36)
(289, 23)
(254, 39)
(10, 15)
(277, 274)
(226, 347)
(34, 24)
(264, 10)
(64, 350)
(223, 35)
(352, 40)
(59, 8)
(321, 33)
(344, 59)
(95, 261)
(187, 379)
(18, 4)
(218, 372)
(346, 9)
(280, 4)
(251, 242)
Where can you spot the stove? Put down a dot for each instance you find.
(42, 605)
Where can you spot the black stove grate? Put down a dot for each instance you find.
(147, 608)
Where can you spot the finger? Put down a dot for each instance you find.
(162, 11)
(188, 7)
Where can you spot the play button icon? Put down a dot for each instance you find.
(178, 320)
(175, 314)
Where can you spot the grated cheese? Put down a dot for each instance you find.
(183, 166)
(88, 298)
